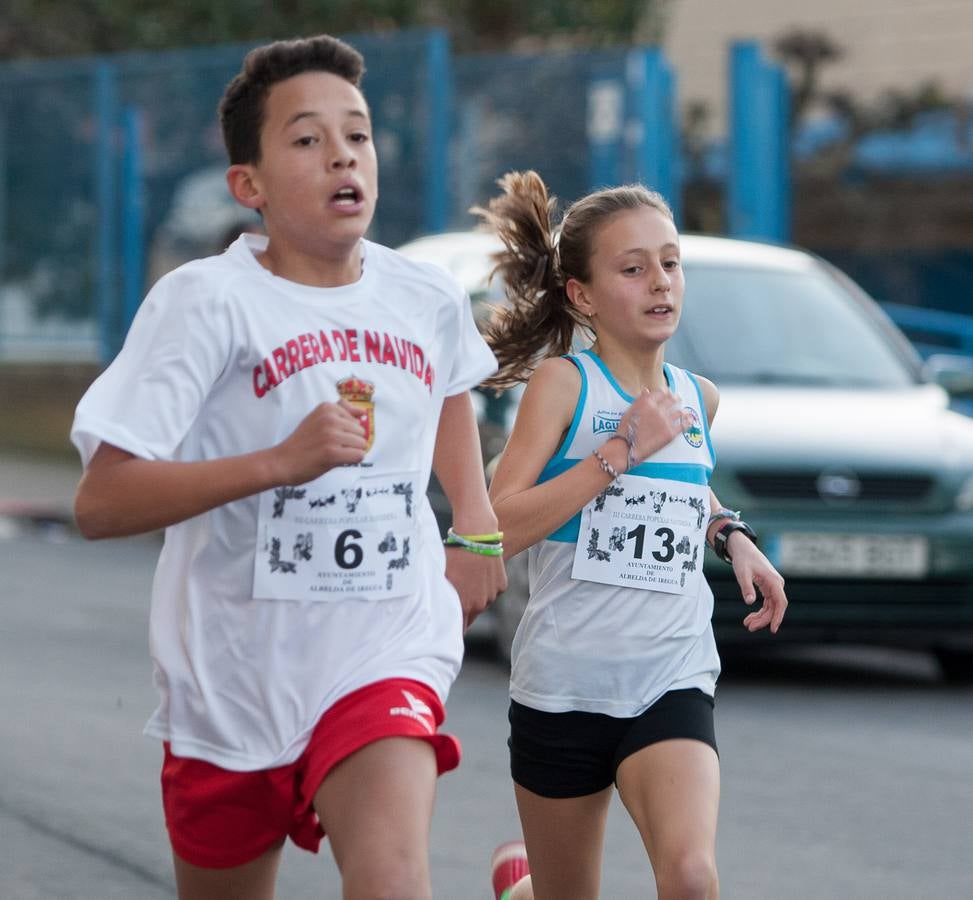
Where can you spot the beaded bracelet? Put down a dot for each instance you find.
(631, 433)
(606, 466)
(724, 513)
(494, 548)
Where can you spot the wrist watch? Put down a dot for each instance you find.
(721, 537)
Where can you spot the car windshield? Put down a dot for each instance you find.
(779, 326)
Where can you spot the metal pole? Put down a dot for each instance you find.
(133, 218)
(105, 102)
(606, 115)
(651, 86)
(439, 95)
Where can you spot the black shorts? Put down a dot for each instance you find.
(572, 754)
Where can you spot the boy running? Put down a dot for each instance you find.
(278, 409)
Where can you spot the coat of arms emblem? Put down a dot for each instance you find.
(359, 393)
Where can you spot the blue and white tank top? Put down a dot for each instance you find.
(594, 643)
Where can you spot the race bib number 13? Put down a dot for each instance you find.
(323, 541)
(644, 533)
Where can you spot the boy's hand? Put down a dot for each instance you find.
(477, 579)
(753, 569)
(651, 422)
(330, 435)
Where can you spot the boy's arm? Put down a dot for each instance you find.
(458, 465)
(121, 494)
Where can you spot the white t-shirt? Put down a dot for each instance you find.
(224, 358)
(605, 648)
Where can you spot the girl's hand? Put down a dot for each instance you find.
(753, 570)
(330, 435)
(477, 579)
(651, 422)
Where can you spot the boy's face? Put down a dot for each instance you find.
(317, 180)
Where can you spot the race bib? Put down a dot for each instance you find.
(338, 536)
(644, 533)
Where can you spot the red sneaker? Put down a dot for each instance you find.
(507, 866)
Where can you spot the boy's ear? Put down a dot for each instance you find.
(242, 182)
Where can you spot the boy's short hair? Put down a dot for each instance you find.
(241, 109)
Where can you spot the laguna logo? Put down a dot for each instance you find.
(694, 433)
(602, 423)
(838, 486)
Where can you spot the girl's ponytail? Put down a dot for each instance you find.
(538, 260)
(538, 320)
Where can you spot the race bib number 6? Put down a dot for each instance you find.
(644, 533)
(324, 541)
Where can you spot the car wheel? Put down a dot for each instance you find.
(957, 665)
(510, 605)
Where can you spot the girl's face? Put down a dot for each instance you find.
(635, 290)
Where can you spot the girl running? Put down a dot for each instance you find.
(605, 481)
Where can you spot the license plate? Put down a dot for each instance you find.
(827, 555)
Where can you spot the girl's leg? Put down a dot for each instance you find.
(671, 789)
(252, 881)
(564, 841)
(376, 808)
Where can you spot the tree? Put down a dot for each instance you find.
(805, 53)
(44, 28)
(502, 24)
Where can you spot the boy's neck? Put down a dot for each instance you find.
(315, 271)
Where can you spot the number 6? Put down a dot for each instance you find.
(343, 548)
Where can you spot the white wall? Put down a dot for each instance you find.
(887, 43)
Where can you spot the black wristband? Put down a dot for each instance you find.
(721, 537)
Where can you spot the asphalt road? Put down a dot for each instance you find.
(846, 773)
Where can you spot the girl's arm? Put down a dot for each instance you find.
(121, 494)
(750, 567)
(528, 511)
(458, 464)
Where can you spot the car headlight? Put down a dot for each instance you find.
(964, 497)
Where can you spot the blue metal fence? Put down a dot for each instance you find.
(583, 120)
(758, 195)
(111, 169)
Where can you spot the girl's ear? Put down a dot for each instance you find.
(241, 179)
(579, 300)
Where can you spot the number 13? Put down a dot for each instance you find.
(667, 535)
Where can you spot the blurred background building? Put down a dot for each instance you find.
(881, 93)
(888, 45)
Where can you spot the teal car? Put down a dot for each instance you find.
(833, 437)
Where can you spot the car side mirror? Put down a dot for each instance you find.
(952, 372)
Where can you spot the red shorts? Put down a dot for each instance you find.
(218, 818)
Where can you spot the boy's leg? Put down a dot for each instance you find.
(672, 791)
(252, 881)
(564, 838)
(226, 828)
(376, 808)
